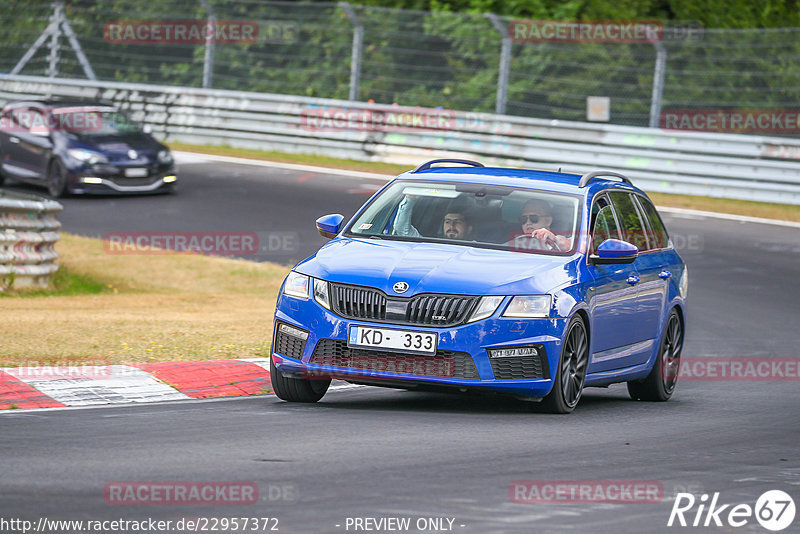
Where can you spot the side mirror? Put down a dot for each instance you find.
(330, 225)
(613, 251)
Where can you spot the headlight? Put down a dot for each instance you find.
(165, 156)
(88, 156)
(529, 306)
(321, 293)
(296, 285)
(486, 307)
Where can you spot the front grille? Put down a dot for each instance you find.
(135, 181)
(445, 364)
(519, 367)
(288, 345)
(356, 302)
(359, 302)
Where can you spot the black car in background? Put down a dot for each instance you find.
(81, 147)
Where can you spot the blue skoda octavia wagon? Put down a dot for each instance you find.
(529, 283)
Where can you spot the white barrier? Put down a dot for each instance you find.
(708, 164)
(28, 233)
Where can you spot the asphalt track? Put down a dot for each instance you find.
(367, 452)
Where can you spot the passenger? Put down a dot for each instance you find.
(535, 220)
(402, 221)
(456, 225)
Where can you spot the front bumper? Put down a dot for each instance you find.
(105, 179)
(462, 360)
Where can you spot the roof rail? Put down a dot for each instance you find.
(428, 165)
(586, 178)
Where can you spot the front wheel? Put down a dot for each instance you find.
(571, 372)
(296, 389)
(57, 179)
(660, 383)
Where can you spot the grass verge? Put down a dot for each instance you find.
(766, 210)
(138, 309)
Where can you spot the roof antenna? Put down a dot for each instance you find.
(559, 169)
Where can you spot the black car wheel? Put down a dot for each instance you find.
(296, 389)
(660, 383)
(571, 372)
(57, 179)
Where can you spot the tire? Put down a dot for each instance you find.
(572, 365)
(57, 179)
(296, 389)
(660, 383)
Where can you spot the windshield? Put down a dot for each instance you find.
(94, 121)
(522, 220)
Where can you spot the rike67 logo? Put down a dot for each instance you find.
(774, 510)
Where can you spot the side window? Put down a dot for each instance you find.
(21, 119)
(604, 225)
(658, 234)
(5, 122)
(633, 231)
(28, 120)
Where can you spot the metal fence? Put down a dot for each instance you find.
(28, 233)
(717, 165)
(471, 62)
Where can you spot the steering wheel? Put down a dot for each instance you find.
(550, 243)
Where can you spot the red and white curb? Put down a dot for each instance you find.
(54, 387)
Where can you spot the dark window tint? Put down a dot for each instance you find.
(657, 234)
(633, 230)
(604, 225)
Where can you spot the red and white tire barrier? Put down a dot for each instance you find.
(52, 387)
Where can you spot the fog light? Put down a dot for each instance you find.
(292, 331)
(513, 352)
(169, 179)
(91, 180)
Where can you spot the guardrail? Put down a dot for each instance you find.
(709, 164)
(28, 233)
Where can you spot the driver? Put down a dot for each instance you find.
(535, 220)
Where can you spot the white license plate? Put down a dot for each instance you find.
(408, 341)
(137, 172)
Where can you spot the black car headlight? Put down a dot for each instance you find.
(89, 156)
(165, 157)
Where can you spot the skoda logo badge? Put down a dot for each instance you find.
(400, 287)
(132, 154)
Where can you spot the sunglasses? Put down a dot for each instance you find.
(532, 218)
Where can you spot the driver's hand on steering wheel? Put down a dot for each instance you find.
(546, 238)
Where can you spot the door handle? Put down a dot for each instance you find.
(664, 274)
(13, 139)
(633, 279)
